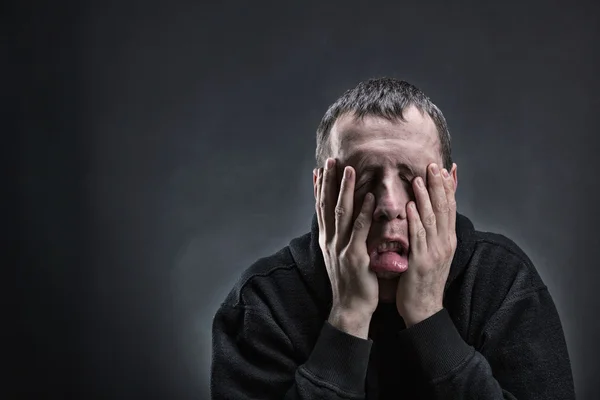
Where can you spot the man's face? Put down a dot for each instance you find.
(387, 156)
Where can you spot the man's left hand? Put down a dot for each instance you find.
(432, 234)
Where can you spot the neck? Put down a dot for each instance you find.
(387, 290)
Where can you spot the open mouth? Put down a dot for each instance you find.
(389, 257)
(392, 246)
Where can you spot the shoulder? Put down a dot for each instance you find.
(264, 280)
(501, 261)
(498, 274)
(501, 244)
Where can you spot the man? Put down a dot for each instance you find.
(393, 294)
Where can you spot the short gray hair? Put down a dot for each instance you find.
(386, 98)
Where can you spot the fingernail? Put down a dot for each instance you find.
(347, 173)
(435, 169)
(329, 163)
(445, 173)
(419, 182)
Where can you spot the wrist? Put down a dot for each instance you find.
(413, 318)
(353, 322)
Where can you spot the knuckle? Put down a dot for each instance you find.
(322, 204)
(359, 223)
(340, 211)
(429, 220)
(346, 256)
(421, 233)
(351, 258)
(453, 242)
(444, 248)
(441, 207)
(451, 204)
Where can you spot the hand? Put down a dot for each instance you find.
(344, 245)
(431, 227)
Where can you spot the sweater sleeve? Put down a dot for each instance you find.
(252, 358)
(523, 353)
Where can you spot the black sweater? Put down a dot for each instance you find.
(499, 335)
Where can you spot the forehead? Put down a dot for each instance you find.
(376, 140)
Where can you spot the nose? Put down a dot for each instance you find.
(391, 199)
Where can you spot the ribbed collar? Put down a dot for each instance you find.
(309, 258)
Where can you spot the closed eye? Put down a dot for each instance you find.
(364, 183)
(360, 186)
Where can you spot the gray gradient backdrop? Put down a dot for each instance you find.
(165, 146)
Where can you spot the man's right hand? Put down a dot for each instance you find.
(344, 245)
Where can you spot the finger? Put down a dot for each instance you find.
(438, 198)
(345, 206)
(328, 198)
(318, 199)
(423, 203)
(416, 231)
(362, 223)
(451, 200)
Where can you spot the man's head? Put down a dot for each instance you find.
(389, 132)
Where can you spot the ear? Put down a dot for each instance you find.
(453, 173)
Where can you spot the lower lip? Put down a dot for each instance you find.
(388, 261)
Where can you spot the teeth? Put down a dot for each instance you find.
(389, 246)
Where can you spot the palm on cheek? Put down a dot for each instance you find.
(431, 225)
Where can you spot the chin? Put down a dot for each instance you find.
(387, 275)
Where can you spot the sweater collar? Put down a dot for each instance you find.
(309, 258)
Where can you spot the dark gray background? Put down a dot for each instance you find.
(162, 147)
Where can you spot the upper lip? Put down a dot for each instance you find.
(403, 242)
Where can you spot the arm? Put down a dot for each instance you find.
(254, 359)
(523, 353)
